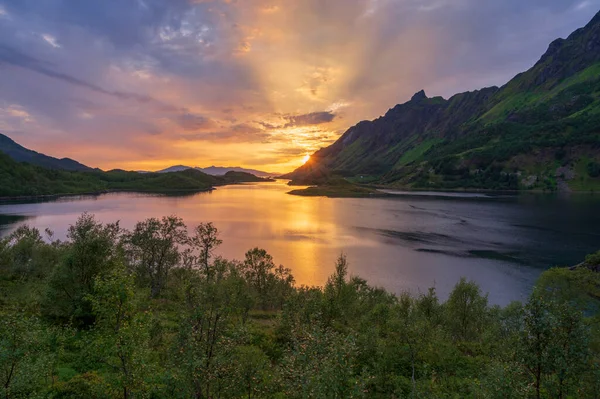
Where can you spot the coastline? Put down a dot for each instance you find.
(97, 193)
(378, 192)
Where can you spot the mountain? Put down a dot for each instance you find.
(217, 170)
(243, 177)
(176, 168)
(222, 170)
(22, 154)
(539, 131)
(22, 180)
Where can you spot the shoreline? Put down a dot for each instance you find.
(97, 193)
(377, 192)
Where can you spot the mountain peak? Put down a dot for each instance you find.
(419, 96)
(595, 20)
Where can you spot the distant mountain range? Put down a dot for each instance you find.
(218, 170)
(539, 131)
(21, 154)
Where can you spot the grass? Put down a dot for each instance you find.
(583, 181)
(513, 103)
(363, 179)
(517, 101)
(416, 152)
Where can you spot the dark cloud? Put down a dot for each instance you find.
(314, 118)
(125, 23)
(12, 57)
(191, 122)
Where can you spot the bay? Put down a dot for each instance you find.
(407, 242)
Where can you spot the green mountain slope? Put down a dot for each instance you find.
(22, 154)
(539, 131)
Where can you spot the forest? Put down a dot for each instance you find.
(153, 312)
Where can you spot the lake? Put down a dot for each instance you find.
(408, 242)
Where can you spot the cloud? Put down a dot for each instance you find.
(51, 40)
(314, 118)
(9, 56)
(192, 122)
(241, 133)
(583, 5)
(246, 128)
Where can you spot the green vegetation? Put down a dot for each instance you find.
(22, 179)
(153, 313)
(338, 191)
(417, 152)
(337, 187)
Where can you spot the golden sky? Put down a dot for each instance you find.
(147, 84)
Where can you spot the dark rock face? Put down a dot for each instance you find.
(565, 58)
(419, 96)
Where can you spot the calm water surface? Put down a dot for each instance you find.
(408, 242)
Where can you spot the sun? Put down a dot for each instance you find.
(305, 159)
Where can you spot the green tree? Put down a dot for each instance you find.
(320, 364)
(466, 311)
(271, 284)
(571, 349)
(24, 357)
(412, 329)
(429, 305)
(152, 250)
(202, 341)
(339, 295)
(93, 249)
(120, 338)
(251, 372)
(205, 240)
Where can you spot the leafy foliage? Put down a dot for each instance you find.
(99, 328)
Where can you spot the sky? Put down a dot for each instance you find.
(147, 84)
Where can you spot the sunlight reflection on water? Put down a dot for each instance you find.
(400, 243)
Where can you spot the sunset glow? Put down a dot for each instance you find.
(255, 83)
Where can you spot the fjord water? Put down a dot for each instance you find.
(405, 243)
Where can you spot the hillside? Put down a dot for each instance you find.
(22, 154)
(25, 180)
(539, 131)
